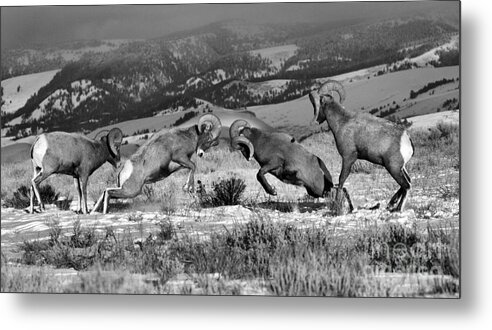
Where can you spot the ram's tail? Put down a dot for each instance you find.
(33, 144)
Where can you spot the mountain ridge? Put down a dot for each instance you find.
(141, 78)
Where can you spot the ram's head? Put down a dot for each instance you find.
(239, 133)
(209, 132)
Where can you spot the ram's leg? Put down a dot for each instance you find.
(347, 163)
(106, 198)
(127, 191)
(349, 200)
(394, 199)
(185, 162)
(98, 203)
(76, 183)
(83, 183)
(31, 200)
(36, 181)
(260, 176)
(401, 176)
(31, 204)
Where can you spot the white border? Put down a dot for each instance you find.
(472, 311)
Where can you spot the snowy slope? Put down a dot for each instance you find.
(29, 84)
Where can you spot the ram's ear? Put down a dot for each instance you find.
(115, 137)
(326, 99)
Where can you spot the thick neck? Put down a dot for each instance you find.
(194, 134)
(191, 134)
(101, 151)
(335, 115)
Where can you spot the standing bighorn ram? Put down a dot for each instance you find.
(364, 136)
(75, 155)
(279, 154)
(163, 154)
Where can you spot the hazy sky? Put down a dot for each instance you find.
(25, 25)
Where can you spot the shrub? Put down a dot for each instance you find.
(166, 231)
(286, 259)
(168, 199)
(443, 134)
(225, 192)
(21, 197)
(447, 192)
(396, 248)
(64, 203)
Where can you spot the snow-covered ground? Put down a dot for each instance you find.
(354, 75)
(277, 55)
(432, 119)
(60, 99)
(432, 55)
(29, 84)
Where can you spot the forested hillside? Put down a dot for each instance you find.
(219, 63)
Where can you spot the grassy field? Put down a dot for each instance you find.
(166, 241)
(364, 94)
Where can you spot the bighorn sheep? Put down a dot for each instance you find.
(163, 154)
(75, 155)
(279, 155)
(364, 136)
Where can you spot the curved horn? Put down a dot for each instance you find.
(315, 100)
(333, 85)
(100, 134)
(241, 140)
(115, 137)
(236, 126)
(211, 122)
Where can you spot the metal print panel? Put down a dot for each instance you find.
(280, 149)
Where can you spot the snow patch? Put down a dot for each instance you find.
(432, 119)
(27, 84)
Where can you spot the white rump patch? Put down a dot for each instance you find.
(406, 148)
(39, 150)
(125, 173)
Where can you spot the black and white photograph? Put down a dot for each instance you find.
(292, 149)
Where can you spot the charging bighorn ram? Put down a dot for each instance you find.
(279, 155)
(75, 155)
(165, 153)
(364, 136)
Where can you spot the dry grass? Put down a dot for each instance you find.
(434, 169)
(259, 257)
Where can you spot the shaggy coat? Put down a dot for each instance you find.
(279, 155)
(72, 154)
(364, 136)
(166, 152)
